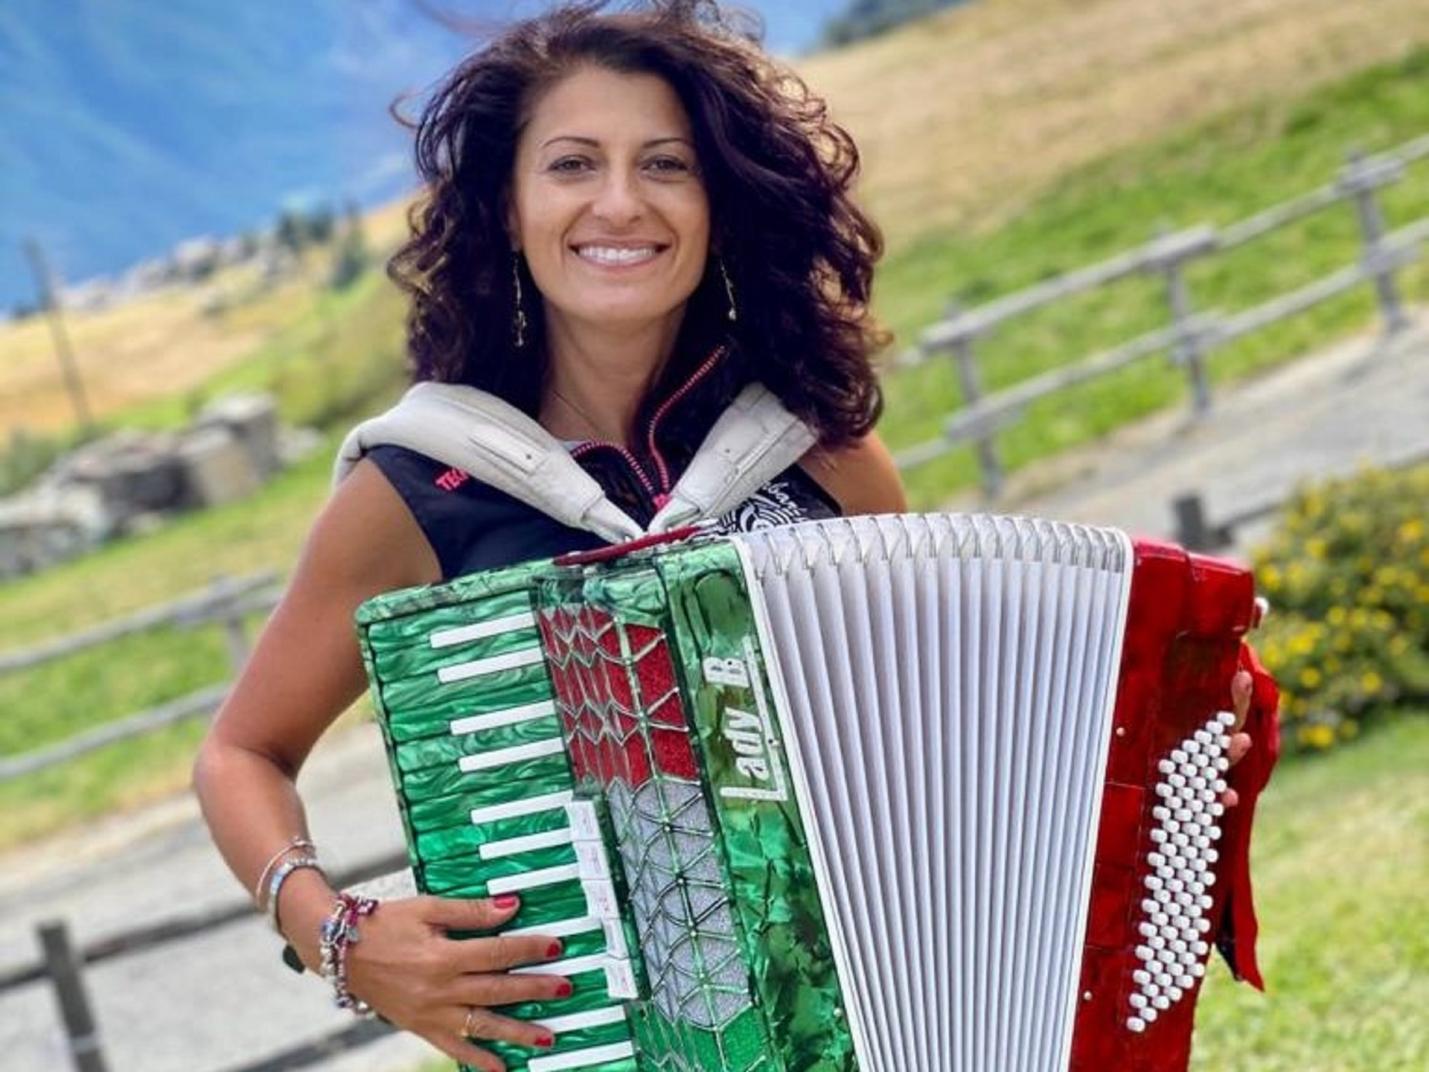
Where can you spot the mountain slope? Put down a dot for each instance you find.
(962, 117)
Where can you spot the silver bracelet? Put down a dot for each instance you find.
(280, 876)
(299, 841)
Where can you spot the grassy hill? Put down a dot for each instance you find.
(331, 355)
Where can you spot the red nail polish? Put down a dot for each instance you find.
(564, 989)
(554, 950)
(506, 900)
(545, 1041)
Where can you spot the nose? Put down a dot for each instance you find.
(619, 201)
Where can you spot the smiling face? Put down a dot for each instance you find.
(607, 203)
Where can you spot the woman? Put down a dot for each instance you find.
(629, 218)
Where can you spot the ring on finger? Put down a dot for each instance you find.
(466, 1028)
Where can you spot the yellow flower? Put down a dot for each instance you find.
(1302, 643)
(1335, 616)
(1270, 578)
(1411, 530)
(1309, 677)
(1317, 736)
(1371, 682)
(1315, 547)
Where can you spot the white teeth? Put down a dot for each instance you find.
(612, 255)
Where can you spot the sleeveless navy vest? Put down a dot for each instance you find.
(472, 526)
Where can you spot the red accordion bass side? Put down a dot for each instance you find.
(1171, 877)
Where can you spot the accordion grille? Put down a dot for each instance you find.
(945, 687)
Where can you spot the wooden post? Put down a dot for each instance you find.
(1361, 178)
(971, 383)
(233, 628)
(1189, 350)
(63, 968)
(1193, 531)
(49, 301)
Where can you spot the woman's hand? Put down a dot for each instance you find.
(1240, 742)
(441, 988)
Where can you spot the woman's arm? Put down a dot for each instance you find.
(305, 670)
(862, 477)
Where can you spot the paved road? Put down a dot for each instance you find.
(1356, 402)
(211, 1003)
(222, 1000)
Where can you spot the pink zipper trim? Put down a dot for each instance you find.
(661, 495)
(664, 408)
(631, 460)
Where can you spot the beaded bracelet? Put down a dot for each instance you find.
(299, 841)
(338, 932)
(280, 876)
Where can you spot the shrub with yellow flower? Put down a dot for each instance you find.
(1347, 575)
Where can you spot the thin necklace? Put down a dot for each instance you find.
(590, 424)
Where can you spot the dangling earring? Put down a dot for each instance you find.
(728, 291)
(520, 315)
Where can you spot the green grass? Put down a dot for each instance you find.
(54, 701)
(1219, 172)
(1341, 862)
(338, 358)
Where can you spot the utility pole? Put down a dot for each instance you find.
(44, 280)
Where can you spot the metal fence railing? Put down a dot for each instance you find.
(227, 601)
(1191, 334)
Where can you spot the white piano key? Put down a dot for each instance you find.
(507, 660)
(620, 979)
(580, 1021)
(592, 860)
(584, 820)
(517, 753)
(545, 839)
(615, 943)
(464, 634)
(510, 716)
(591, 1057)
(567, 966)
(600, 898)
(561, 928)
(514, 809)
(544, 876)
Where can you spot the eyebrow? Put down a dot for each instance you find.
(593, 141)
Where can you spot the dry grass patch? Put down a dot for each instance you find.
(963, 117)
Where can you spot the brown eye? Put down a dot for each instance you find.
(569, 165)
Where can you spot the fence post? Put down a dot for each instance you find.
(1189, 349)
(233, 628)
(1360, 178)
(63, 968)
(971, 383)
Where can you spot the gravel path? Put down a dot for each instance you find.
(222, 1000)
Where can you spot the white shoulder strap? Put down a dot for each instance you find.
(755, 439)
(495, 442)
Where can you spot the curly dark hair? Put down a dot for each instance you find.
(777, 172)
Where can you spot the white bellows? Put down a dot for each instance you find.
(945, 688)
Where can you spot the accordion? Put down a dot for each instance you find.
(923, 792)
